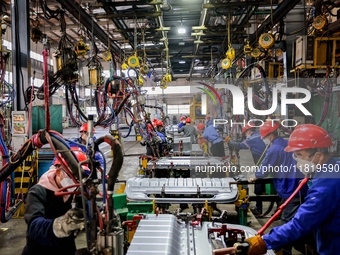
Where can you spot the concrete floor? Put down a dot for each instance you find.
(12, 233)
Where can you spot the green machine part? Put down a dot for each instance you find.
(120, 205)
(139, 208)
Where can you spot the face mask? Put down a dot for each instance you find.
(183, 121)
(67, 181)
(248, 136)
(306, 167)
(266, 141)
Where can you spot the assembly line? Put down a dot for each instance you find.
(169, 127)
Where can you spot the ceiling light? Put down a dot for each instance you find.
(181, 62)
(181, 30)
(181, 43)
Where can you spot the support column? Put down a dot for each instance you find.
(20, 50)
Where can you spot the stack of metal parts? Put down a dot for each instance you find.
(181, 190)
(203, 167)
(164, 234)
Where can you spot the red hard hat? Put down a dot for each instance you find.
(187, 120)
(200, 126)
(268, 127)
(159, 123)
(80, 155)
(182, 118)
(246, 127)
(308, 136)
(84, 127)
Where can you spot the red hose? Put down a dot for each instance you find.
(283, 206)
(46, 87)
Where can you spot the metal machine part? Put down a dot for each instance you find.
(164, 234)
(181, 190)
(192, 166)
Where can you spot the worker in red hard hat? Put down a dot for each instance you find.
(182, 121)
(52, 220)
(83, 130)
(208, 121)
(320, 212)
(254, 143)
(189, 131)
(210, 133)
(82, 141)
(285, 178)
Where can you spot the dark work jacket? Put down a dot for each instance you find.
(42, 207)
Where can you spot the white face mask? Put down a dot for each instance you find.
(183, 121)
(305, 166)
(247, 135)
(266, 141)
(67, 181)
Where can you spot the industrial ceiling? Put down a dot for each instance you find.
(147, 27)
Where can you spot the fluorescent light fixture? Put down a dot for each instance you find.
(181, 43)
(181, 62)
(181, 30)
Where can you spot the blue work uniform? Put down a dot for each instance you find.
(253, 143)
(256, 146)
(149, 151)
(217, 146)
(285, 182)
(319, 213)
(209, 123)
(181, 124)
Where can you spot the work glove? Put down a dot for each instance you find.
(72, 220)
(202, 140)
(142, 142)
(158, 139)
(252, 178)
(256, 245)
(227, 139)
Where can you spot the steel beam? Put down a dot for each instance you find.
(128, 3)
(21, 50)
(86, 20)
(238, 3)
(129, 15)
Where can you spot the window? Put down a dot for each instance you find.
(179, 109)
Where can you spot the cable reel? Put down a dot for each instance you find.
(106, 56)
(255, 53)
(144, 69)
(319, 22)
(226, 63)
(266, 41)
(133, 61)
(81, 48)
